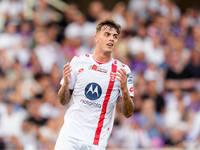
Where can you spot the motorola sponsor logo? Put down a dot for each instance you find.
(93, 91)
(90, 103)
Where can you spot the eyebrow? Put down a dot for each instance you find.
(110, 33)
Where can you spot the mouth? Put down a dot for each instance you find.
(110, 44)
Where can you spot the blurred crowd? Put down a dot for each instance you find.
(158, 41)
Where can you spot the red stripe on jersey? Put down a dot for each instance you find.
(103, 111)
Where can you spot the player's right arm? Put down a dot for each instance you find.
(64, 92)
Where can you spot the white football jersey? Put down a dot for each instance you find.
(95, 92)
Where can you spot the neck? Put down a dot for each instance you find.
(102, 58)
(177, 68)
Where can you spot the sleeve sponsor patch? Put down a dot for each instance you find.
(130, 81)
(129, 75)
(130, 78)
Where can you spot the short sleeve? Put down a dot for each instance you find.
(73, 74)
(129, 82)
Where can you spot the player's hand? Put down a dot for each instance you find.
(67, 73)
(122, 77)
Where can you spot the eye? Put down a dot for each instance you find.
(106, 34)
(115, 36)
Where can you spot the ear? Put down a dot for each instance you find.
(96, 37)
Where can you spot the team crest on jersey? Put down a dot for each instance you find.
(97, 68)
(93, 91)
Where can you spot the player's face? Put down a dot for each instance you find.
(106, 39)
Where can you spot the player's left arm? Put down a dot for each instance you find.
(128, 105)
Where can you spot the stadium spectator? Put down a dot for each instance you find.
(43, 14)
(178, 75)
(13, 10)
(47, 48)
(94, 8)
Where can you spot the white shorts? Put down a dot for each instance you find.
(65, 142)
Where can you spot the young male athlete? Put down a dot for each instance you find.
(93, 83)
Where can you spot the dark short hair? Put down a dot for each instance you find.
(108, 22)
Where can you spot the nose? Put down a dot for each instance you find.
(111, 39)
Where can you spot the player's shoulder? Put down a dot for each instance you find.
(120, 64)
(81, 58)
(126, 67)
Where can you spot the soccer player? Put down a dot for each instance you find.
(93, 82)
